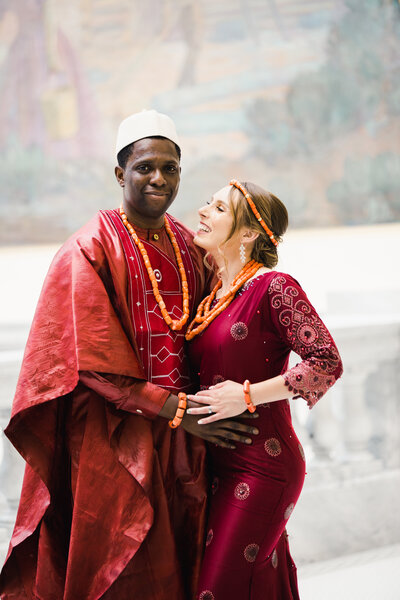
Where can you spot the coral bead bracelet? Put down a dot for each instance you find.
(246, 391)
(180, 411)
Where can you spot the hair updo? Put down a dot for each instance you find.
(272, 211)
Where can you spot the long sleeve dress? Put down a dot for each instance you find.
(256, 487)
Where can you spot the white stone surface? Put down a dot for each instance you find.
(372, 575)
(345, 511)
(22, 272)
(354, 261)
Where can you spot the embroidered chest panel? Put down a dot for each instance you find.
(162, 351)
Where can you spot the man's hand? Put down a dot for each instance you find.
(222, 433)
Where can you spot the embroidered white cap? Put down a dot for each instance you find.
(147, 123)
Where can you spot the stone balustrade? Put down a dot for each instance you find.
(352, 445)
(358, 419)
(351, 440)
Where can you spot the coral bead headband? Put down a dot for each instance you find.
(257, 215)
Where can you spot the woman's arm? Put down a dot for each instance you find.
(226, 399)
(299, 326)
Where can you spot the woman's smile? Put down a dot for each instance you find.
(215, 221)
(203, 228)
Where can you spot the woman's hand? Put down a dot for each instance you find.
(221, 401)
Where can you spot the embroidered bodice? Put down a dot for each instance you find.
(253, 337)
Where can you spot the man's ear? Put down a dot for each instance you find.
(119, 174)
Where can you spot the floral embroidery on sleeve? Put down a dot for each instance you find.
(300, 326)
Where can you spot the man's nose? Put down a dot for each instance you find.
(157, 177)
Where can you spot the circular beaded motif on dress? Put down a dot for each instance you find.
(250, 552)
(206, 595)
(239, 331)
(242, 491)
(217, 379)
(272, 447)
(289, 510)
(157, 275)
(307, 334)
(209, 537)
(274, 559)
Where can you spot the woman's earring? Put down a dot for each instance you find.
(242, 254)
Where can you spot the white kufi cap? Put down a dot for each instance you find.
(147, 123)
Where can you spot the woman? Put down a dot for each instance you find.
(244, 332)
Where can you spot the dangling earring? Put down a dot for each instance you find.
(242, 254)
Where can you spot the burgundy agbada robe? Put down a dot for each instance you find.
(113, 500)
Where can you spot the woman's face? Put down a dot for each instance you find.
(216, 223)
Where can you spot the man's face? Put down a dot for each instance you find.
(150, 181)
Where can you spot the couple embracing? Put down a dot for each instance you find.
(152, 408)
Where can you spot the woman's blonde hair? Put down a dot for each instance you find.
(272, 211)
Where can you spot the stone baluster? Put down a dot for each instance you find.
(325, 427)
(362, 346)
(387, 410)
(11, 472)
(12, 340)
(357, 425)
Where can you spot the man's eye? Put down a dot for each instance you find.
(172, 169)
(142, 168)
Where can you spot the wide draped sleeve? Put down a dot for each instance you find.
(81, 321)
(300, 327)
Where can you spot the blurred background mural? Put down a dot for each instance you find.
(300, 96)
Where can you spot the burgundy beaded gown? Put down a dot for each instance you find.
(255, 488)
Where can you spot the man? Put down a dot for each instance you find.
(113, 500)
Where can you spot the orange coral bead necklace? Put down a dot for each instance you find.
(205, 314)
(173, 324)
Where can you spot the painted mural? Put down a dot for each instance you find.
(302, 97)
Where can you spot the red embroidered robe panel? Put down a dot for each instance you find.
(161, 350)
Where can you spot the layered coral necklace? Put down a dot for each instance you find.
(205, 314)
(173, 324)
